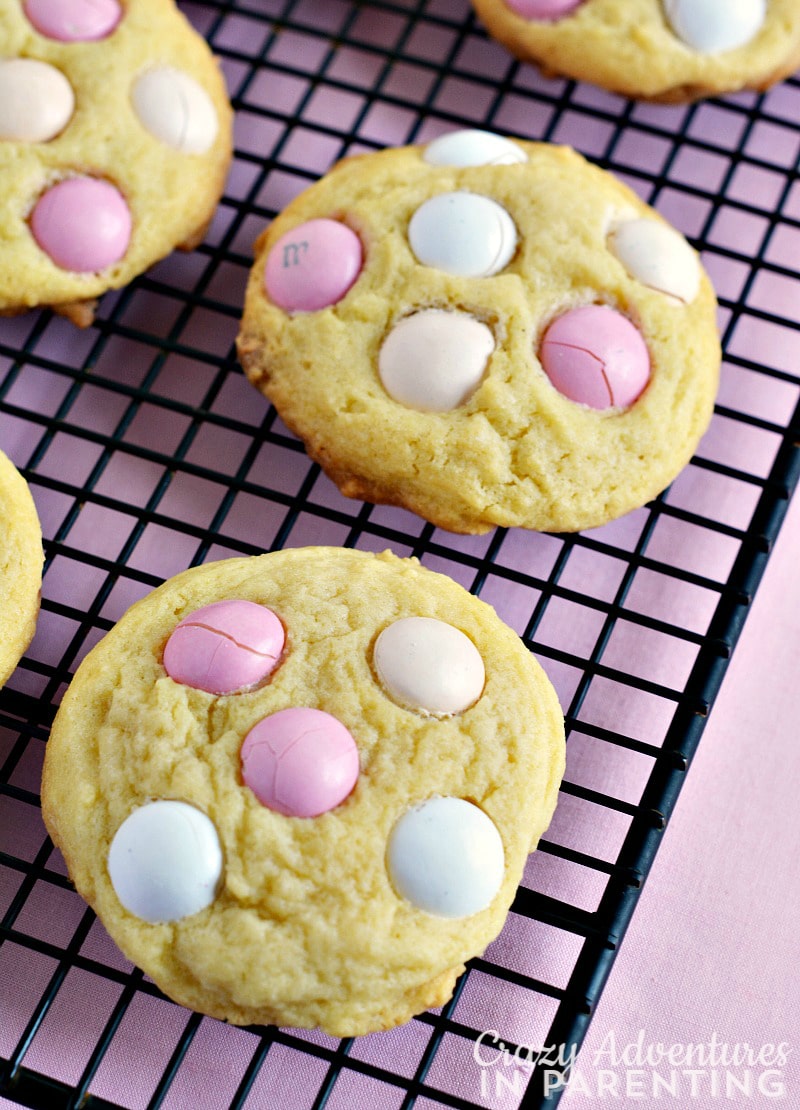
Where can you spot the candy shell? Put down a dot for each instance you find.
(312, 266)
(175, 109)
(714, 26)
(594, 355)
(657, 256)
(83, 224)
(36, 101)
(464, 234)
(165, 861)
(74, 20)
(429, 666)
(434, 360)
(446, 857)
(300, 762)
(224, 647)
(472, 148)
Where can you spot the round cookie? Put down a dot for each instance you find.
(115, 141)
(327, 844)
(21, 560)
(667, 50)
(500, 334)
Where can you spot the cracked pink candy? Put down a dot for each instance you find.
(300, 762)
(595, 356)
(225, 647)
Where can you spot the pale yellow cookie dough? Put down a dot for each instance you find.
(20, 567)
(629, 47)
(517, 452)
(172, 195)
(306, 928)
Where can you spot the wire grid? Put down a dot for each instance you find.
(147, 451)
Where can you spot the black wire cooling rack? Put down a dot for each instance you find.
(147, 451)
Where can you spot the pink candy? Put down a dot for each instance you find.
(224, 647)
(312, 266)
(543, 9)
(595, 355)
(300, 762)
(83, 224)
(74, 20)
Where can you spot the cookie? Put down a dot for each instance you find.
(668, 50)
(484, 331)
(115, 140)
(21, 560)
(300, 788)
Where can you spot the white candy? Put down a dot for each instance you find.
(657, 256)
(428, 665)
(434, 360)
(446, 857)
(473, 148)
(175, 109)
(463, 234)
(36, 101)
(713, 26)
(165, 861)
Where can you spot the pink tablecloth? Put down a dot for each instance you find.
(714, 946)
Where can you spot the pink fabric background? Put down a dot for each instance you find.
(714, 945)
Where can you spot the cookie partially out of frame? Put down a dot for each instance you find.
(484, 331)
(115, 140)
(20, 567)
(668, 50)
(301, 788)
